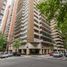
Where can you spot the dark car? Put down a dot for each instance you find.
(16, 54)
(65, 54)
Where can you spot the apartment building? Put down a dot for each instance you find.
(11, 25)
(9, 13)
(56, 35)
(0, 5)
(32, 28)
(2, 9)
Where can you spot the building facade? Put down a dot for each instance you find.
(12, 24)
(9, 13)
(56, 35)
(2, 9)
(32, 28)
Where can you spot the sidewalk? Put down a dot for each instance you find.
(39, 56)
(45, 56)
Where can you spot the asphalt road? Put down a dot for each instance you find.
(32, 62)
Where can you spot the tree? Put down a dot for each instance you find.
(3, 42)
(17, 44)
(56, 9)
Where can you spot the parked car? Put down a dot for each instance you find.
(57, 54)
(16, 54)
(51, 54)
(65, 54)
(5, 55)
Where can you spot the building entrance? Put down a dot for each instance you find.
(34, 51)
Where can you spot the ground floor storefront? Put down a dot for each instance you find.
(35, 51)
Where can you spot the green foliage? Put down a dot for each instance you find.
(55, 9)
(49, 8)
(3, 41)
(17, 43)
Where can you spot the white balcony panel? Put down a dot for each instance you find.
(23, 32)
(36, 40)
(22, 37)
(36, 33)
(36, 28)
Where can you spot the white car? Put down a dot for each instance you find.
(6, 55)
(57, 54)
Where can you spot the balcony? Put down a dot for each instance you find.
(36, 40)
(36, 19)
(18, 31)
(19, 12)
(23, 28)
(37, 12)
(36, 28)
(47, 37)
(23, 32)
(17, 28)
(36, 23)
(17, 34)
(57, 36)
(47, 33)
(58, 39)
(23, 37)
(47, 42)
(46, 28)
(60, 45)
(59, 42)
(24, 24)
(36, 33)
(44, 21)
(54, 33)
(25, 20)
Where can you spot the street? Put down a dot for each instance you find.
(33, 61)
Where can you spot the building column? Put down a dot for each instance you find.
(46, 51)
(43, 51)
(22, 51)
(27, 51)
(40, 52)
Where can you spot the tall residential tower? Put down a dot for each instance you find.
(2, 9)
(32, 28)
(56, 35)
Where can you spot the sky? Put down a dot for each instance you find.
(9, 1)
